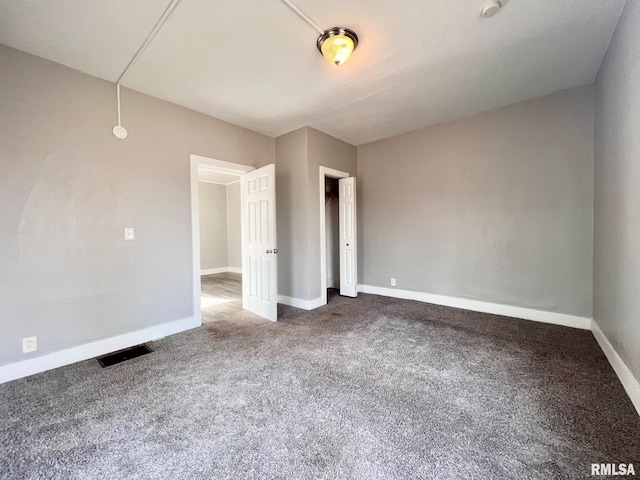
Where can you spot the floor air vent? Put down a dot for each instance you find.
(122, 355)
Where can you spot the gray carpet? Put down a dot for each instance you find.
(363, 388)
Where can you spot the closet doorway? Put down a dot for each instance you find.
(338, 233)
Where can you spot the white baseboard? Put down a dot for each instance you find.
(485, 307)
(300, 303)
(210, 271)
(629, 382)
(49, 361)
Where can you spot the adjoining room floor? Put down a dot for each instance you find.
(366, 388)
(221, 296)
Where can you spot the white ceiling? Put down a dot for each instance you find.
(216, 177)
(254, 62)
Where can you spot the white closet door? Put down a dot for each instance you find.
(348, 238)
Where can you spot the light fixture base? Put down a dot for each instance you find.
(492, 7)
(120, 132)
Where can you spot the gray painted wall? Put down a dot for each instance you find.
(299, 155)
(68, 188)
(214, 250)
(292, 213)
(327, 151)
(617, 191)
(497, 207)
(234, 228)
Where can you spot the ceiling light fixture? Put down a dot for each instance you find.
(337, 44)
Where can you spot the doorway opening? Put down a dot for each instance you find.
(332, 233)
(216, 232)
(220, 244)
(338, 268)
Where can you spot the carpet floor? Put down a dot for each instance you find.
(366, 388)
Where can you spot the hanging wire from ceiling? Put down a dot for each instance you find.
(119, 131)
(302, 15)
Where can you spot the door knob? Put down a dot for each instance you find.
(269, 251)
(275, 250)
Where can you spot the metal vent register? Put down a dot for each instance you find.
(122, 355)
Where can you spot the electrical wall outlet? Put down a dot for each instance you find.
(129, 233)
(393, 282)
(29, 344)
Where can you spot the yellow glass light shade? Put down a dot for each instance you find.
(337, 44)
(337, 49)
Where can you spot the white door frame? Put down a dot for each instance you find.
(325, 172)
(204, 163)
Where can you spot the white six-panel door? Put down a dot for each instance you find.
(348, 237)
(259, 260)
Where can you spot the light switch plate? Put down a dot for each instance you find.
(129, 233)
